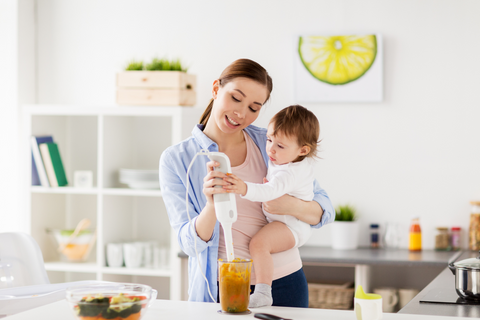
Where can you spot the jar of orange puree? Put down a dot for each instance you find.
(234, 284)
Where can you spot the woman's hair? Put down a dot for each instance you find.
(241, 68)
(298, 122)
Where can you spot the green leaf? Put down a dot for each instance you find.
(345, 213)
(134, 66)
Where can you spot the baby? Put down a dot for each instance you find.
(292, 139)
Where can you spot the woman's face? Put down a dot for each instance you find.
(237, 104)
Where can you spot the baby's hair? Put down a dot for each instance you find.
(299, 122)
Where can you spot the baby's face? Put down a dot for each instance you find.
(282, 149)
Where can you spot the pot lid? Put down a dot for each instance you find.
(471, 263)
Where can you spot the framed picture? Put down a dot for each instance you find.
(339, 68)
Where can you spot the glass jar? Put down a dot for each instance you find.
(415, 236)
(456, 238)
(474, 229)
(442, 242)
(374, 236)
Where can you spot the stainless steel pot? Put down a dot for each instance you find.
(467, 278)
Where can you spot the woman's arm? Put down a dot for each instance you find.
(316, 213)
(307, 211)
(173, 186)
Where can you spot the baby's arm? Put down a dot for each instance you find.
(280, 184)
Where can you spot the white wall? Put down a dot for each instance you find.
(417, 152)
(17, 86)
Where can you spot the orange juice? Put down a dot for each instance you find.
(415, 238)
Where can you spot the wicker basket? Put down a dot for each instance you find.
(330, 296)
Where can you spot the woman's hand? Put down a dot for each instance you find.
(235, 184)
(212, 179)
(307, 211)
(207, 219)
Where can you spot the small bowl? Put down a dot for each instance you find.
(113, 301)
(78, 249)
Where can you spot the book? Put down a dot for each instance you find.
(35, 177)
(37, 162)
(53, 164)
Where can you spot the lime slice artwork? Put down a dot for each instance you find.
(337, 60)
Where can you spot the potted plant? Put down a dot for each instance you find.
(160, 82)
(345, 228)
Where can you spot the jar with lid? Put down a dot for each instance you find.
(474, 229)
(442, 242)
(415, 236)
(456, 238)
(374, 237)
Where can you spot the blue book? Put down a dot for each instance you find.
(42, 174)
(35, 177)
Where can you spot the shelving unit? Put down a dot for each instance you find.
(104, 140)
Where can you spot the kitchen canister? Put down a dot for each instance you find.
(474, 229)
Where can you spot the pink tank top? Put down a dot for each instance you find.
(251, 218)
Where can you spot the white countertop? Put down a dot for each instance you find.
(178, 310)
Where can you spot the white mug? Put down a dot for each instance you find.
(147, 254)
(389, 297)
(133, 254)
(406, 295)
(114, 255)
(367, 309)
(160, 258)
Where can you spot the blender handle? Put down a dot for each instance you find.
(452, 267)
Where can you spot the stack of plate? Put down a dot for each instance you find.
(140, 179)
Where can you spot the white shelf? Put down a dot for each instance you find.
(93, 268)
(73, 110)
(97, 191)
(72, 267)
(64, 190)
(138, 271)
(103, 139)
(132, 192)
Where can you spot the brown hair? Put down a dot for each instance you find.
(297, 121)
(241, 68)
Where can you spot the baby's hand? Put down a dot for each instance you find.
(236, 184)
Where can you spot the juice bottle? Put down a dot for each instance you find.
(415, 238)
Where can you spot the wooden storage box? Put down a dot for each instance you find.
(330, 296)
(162, 88)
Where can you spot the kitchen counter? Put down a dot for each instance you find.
(362, 259)
(445, 281)
(183, 310)
(369, 256)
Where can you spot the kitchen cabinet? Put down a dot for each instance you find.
(103, 140)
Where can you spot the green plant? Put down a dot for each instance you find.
(345, 213)
(134, 65)
(165, 65)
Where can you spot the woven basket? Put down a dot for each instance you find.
(330, 296)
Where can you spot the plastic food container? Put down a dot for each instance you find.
(234, 285)
(119, 301)
(76, 249)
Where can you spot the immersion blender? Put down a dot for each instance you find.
(225, 203)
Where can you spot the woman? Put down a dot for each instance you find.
(237, 97)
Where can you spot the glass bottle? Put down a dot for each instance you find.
(474, 230)
(415, 237)
(374, 237)
(456, 238)
(442, 239)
